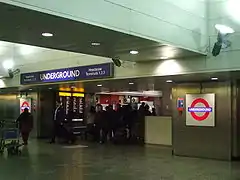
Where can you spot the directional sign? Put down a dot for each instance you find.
(200, 109)
(99, 71)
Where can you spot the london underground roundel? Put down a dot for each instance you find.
(24, 105)
(200, 109)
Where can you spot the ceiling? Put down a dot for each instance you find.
(24, 55)
(25, 26)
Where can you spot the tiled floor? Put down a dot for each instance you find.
(42, 161)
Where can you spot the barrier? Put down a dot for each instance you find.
(158, 130)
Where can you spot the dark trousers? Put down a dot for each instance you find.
(104, 134)
(90, 131)
(55, 131)
(25, 136)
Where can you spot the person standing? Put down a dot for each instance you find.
(142, 107)
(100, 122)
(25, 121)
(146, 110)
(141, 122)
(154, 112)
(57, 120)
(111, 121)
(90, 122)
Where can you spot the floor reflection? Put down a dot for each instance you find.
(42, 161)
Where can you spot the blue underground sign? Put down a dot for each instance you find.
(98, 71)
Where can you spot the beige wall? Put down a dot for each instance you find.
(158, 130)
(204, 142)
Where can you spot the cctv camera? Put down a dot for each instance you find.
(216, 49)
(222, 43)
(116, 61)
(12, 73)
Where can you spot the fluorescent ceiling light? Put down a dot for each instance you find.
(99, 85)
(169, 81)
(30, 89)
(214, 78)
(164, 57)
(8, 64)
(135, 93)
(133, 52)
(49, 88)
(95, 44)
(47, 34)
(131, 83)
(224, 29)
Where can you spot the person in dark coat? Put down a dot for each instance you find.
(90, 122)
(119, 116)
(58, 119)
(141, 122)
(25, 121)
(129, 120)
(154, 112)
(142, 107)
(147, 112)
(111, 121)
(101, 123)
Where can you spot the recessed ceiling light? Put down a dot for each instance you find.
(131, 83)
(8, 64)
(214, 78)
(99, 85)
(95, 43)
(224, 29)
(30, 89)
(169, 81)
(47, 34)
(164, 57)
(133, 52)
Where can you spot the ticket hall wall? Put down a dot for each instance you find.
(206, 142)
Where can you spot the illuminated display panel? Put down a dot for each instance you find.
(73, 105)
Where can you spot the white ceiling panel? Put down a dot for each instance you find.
(26, 26)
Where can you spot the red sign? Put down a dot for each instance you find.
(24, 105)
(206, 110)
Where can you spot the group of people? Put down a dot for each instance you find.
(125, 122)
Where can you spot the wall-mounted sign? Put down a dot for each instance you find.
(180, 104)
(25, 103)
(69, 74)
(200, 109)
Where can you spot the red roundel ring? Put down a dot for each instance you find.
(205, 115)
(24, 105)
